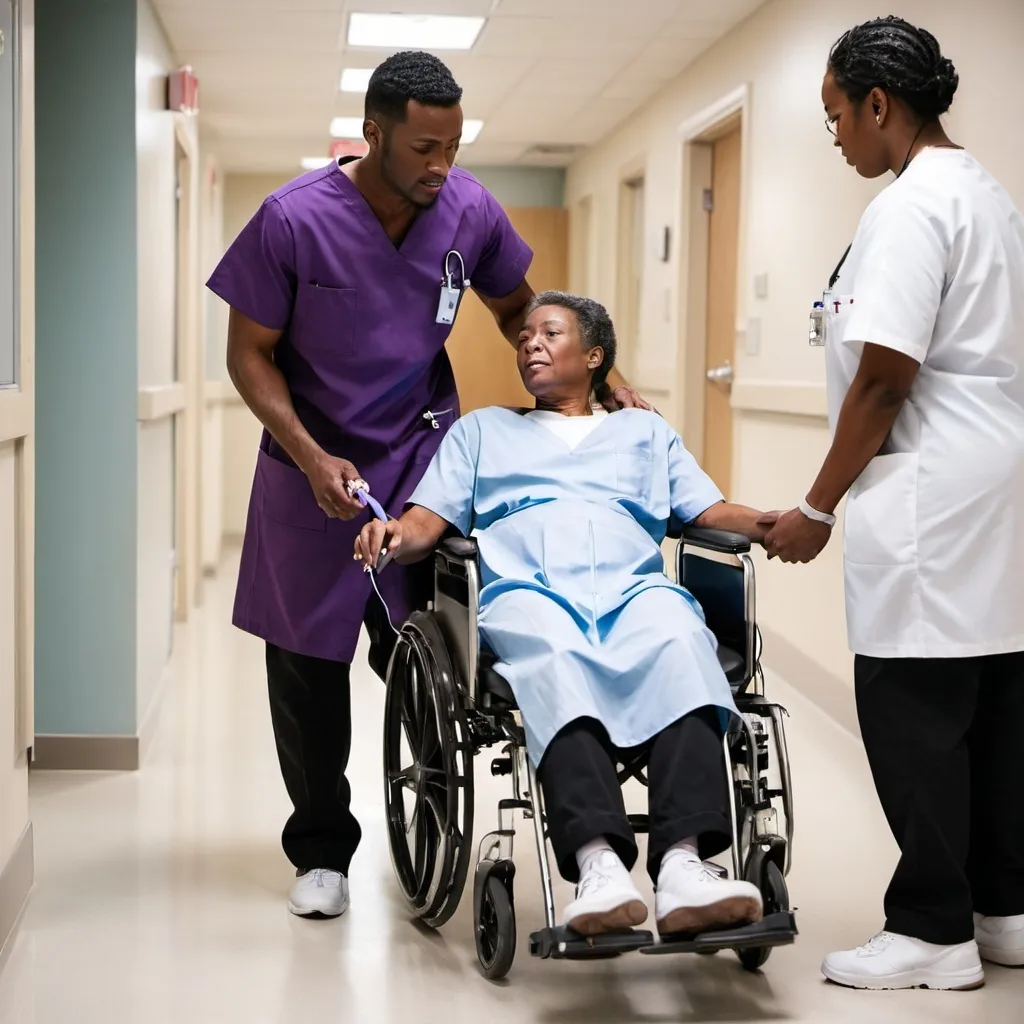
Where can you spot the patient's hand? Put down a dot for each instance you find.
(378, 543)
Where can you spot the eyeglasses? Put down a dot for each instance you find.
(832, 123)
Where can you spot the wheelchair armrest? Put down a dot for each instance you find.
(722, 541)
(454, 553)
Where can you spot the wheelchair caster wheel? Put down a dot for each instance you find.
(495, 929)
(768, 877)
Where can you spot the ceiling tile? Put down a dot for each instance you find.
(252, 31)
(543, 71)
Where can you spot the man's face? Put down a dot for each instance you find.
(418, 153)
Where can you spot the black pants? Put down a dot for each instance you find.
(310, 706)
(943, 741)
(687, 790)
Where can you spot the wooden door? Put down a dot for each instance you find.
(484, 362)
(723, 244)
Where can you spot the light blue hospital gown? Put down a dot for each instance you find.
(575, 603)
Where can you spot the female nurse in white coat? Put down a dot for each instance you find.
(924, 335)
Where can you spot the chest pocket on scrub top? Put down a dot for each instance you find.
(633, 473)
(325, 320)
(838, 309)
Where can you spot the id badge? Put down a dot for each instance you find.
(448, 304)
(817, 335)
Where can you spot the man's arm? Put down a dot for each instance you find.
(263, 388)
(251, 366)
(509, 312)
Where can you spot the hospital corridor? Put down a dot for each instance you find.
(508, 511)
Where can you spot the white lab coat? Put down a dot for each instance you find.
(934, 526)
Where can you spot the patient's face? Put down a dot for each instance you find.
(551, 357)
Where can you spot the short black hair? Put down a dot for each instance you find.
(410, 75)
(594, 323)
(891, 54)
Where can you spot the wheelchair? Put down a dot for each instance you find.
(445, 703)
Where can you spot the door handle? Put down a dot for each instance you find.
(721, 374)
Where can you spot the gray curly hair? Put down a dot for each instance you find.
(594, 323)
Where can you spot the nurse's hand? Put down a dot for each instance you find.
(795, 538)
(622, 397)
(328, 477)
(378, 543)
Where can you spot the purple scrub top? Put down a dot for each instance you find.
(365, 362)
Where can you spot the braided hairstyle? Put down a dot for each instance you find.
(891, 54)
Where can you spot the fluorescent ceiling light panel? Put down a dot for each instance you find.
(347, 128)
(470, 130)
(312, 163)
(355, 79)
(414, 31)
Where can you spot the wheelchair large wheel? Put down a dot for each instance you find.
(428, 773)
(767, 876)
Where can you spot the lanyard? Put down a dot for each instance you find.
(839, 266)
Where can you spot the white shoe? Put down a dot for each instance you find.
(606, 898)
(1000, 939)
(690, 898)
(897, 961)
(320, 892)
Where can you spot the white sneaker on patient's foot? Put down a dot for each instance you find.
(320, 892)
(690, 898)
(606, 898)
(897, 961)
(1000, 939)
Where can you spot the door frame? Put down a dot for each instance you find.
(696, 136)
(627, 356)
(189, 376)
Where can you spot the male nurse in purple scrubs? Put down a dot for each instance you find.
(341, 303)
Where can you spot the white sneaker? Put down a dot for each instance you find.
(690, 898)
(320, 892)
(1000, 939)
(898, 961)
(606, 898)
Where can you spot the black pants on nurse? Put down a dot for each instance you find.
(311, 710)
(943, 741)
(687, 790)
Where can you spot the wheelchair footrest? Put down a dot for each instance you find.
(563, 943)
(773, 930)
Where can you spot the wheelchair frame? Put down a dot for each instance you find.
(448, 703)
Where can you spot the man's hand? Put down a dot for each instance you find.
(378, 543)
(795, 538)
(328, 477)
(621, 397)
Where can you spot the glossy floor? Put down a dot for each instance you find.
(160, 894)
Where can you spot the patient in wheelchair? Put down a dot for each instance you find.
(610, 662)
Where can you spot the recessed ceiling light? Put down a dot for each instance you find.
(347, 128)
(355, 79)
(312, 163)
(416, 31)
(470, 130)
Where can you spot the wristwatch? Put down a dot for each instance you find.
(818, 517)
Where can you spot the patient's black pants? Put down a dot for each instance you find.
(687, 792)
(943, 738)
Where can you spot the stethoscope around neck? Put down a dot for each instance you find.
(448, 277)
